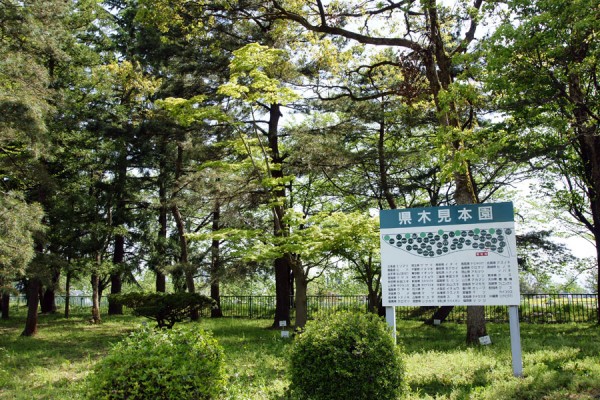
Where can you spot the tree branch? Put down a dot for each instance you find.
(324, 28)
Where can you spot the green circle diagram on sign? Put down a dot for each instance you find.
(440, 242)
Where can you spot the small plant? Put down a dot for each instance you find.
(161, 364)
(346, 356)
(165, 309)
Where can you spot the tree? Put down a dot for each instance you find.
(539, 258)
(357, 239)
(440, 39)
(543, 69)
(19, 222)
(35, 37)
(165, 308)
(254, 71)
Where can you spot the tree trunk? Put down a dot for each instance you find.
(475, 324)
(373, 300)
(373, 281)
(116, 285)
(301, 295)
(588, 143)
(119, 223)
(95, 299)
(465, 194)
(48, 299)
(116, 280)
(282, 291)
(441, 314)
(383, 171)
(282, 264)
(438, 66)
(161, 280)
(68, 295)
(5, 309)
(188, 270)
(598, 280)
(33, 291)
(215, 264)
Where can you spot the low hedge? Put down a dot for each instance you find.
(161, 364)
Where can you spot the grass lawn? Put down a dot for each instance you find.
(561, 361)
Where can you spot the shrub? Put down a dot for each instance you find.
(165, 309)
(346, 356)
(161, 364)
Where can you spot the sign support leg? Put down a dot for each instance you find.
(390, 318)
(515, 341)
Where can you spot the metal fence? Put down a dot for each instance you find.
(75, 302)
(535, 308)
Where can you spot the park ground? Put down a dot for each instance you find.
(561, 361)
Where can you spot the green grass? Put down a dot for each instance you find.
(561, 361)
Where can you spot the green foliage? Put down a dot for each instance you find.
(19, 221)
(165, 309)
(251, 75)
(161, 364)
(346, 356)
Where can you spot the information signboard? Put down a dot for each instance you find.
(454, 255)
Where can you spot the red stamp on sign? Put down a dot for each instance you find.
(481, 254)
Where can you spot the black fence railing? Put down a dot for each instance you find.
(75, 302)
(535, 308)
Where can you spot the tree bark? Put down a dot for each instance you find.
(48, 298)
(161, 280)
(282, 291)
(282, 264)
(301, 297)
(119, 223)
(96, 319)
(373, 281)
(47, 301)
(475, 324)
(188, 270)
(68, 294)
(465, 194)
(33, 299)
(374, 299)
(215, 264)
(383, 172)
(116, 285)
(5, 309)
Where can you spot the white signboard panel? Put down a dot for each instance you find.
(455, 255)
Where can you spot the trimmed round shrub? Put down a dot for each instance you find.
(178, 363)
(346, 356)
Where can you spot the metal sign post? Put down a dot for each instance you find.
(390, 318)
(515, 341)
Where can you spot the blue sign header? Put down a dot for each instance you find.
(463, 214)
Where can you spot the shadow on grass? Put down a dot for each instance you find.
(416, 337)
(444, 389)
(560, 362)
(59, 339)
